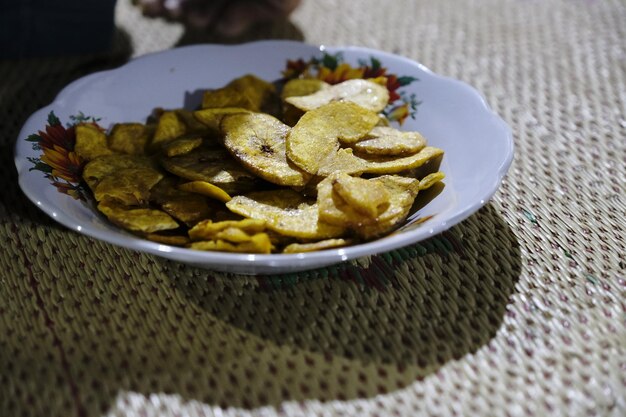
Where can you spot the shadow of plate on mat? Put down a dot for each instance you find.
(437, 301)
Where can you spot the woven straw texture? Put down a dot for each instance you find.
(517, 311)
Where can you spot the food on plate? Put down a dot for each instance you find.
(366, 93)
(385, 140)
(261, 168)
(314, 246)
(314, 143)
(248, 92)
(137, 219)
(257, 141)
(212, 164)
(130, 138)
(91, 141)
(207, 189)
(286, 212)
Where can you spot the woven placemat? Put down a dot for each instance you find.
(517, 311)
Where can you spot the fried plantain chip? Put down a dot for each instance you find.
(130, 138)
(302, 87)
(206, 189)
(212, 117)
(403, 191)
(369, 198)
(128, 186)
(285, 212)
(334, 210)
(257, 140)
(343, 160)
(249, 92)
(396, 164)
(214, 165)
(169, 126)
(315, 138)
(315, 246)
(430, 180)
(182, 145)
(173, 124)
(173, 240)
(207, 229)
(295, 88)
(91, 141)
(233, 234)
(137, 219)
(389, 141)
(189, 208)
(100, 167)
(258, 243)
(365, 93)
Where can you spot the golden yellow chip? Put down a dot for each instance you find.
(365, 93)
(137, 219)
(257, 140)
(258, 243)
(389, 141)
(343, 160)
(173, 240)
(172, 124)
(192, 124)
(315, 138)
(430, 180)
(314, 246)
(189, 208)
(208, 230)
(91, 141)
(233, 234)
(248, 92)
(182, 145)
(285, 212)
(369, 198)
(130, 138)
(214, 165)
(128, 186)
(298, 87)
(206, 189)
(396, 164)
(403, 191)
(100, 167)
(302, 87)
(169, 126)
(334, 210)
(212, 117)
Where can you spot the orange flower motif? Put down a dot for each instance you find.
(341, 73)
(58, 161)
(65, 164)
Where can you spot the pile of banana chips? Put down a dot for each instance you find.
(261, 168)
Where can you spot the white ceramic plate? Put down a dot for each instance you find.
(451, 115)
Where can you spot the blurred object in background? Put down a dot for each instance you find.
(46, 28)
(223, 17)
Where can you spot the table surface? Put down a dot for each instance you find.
(517, 311)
